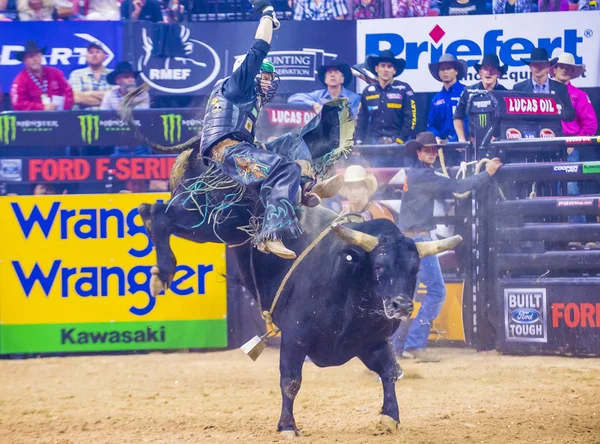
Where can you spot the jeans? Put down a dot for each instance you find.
(573, 188)
(430, 274)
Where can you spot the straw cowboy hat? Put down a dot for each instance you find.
(459, 65)
(344, 68)
(385, 56)
(356, 173)
(30, 47)
(567, 59)
(540, 55)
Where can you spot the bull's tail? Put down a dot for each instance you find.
(126, 114)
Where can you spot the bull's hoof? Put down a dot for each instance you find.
(388, 424)
(290, 434)
(156, 285)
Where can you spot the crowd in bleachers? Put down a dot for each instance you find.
(176, 10)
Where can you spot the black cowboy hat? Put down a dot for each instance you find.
(30, 46)
(386, 56)
(459, 65)
(344, 68)
(491, 60)
(122, 68)
(423, 139)
(540, 55)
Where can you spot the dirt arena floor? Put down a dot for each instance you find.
(225, 397)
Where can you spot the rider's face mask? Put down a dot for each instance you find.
(266, 85)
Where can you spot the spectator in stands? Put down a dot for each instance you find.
(358, 188)
(368, 9)
(511, 6)
(539, 64)
(148, 10)
(36, 10)
(336, 76)
(103, 10)
(489, 70)
(583, 5)
(585, 122)
(320, 10)
(387, 112)
(124, 76)
(440, 121)
(553, 5)
(462, 7)
(90, 84)
(39, 87)
(6, 10)
(410, 8)
(449, 71)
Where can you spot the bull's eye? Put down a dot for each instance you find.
(349, 258)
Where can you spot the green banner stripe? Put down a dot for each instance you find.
(112, 336)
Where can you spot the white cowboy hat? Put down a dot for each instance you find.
(567, 59)
(356, 173)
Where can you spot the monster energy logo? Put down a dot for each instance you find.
(89, 124)
(170, 123)
(8, 129)
(482, 120)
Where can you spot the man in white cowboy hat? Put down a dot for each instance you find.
(440, 121)
(539, 64)
(584, 124)
(336, 76)
(358, 188)
(388, 111)
(489, 70)
(422, 186)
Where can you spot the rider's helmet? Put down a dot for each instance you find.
(267, 69)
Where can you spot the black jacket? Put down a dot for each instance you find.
(557, 88)
(422, 186)
(387, 112)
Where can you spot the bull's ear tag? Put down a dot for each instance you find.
(254, 347)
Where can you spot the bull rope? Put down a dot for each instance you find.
(462, 171)
(268, 315)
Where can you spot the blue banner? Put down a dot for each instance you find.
(66, 45)
(298, 49)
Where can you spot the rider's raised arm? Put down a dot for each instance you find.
(241, 84)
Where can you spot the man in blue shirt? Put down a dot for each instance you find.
(336, 76)
(449, 71)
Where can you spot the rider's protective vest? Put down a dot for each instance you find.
(225, 119)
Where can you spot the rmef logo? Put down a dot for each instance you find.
(171, 126)
(90, 127)
(571, 315)
(510, 50)
(8, 128)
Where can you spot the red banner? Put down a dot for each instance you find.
(84, 169)
(528, 106)
(289, 117)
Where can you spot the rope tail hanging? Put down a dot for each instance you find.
(462, 173)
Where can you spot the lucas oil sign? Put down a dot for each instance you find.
(525, 317)
(75, 273)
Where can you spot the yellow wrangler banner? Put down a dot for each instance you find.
(75, 273)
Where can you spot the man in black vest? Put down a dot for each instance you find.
(540, 83)
(228, 140)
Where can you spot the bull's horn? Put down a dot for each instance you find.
(358, 238)
(435, 247)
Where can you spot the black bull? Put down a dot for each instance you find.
(343, 301)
